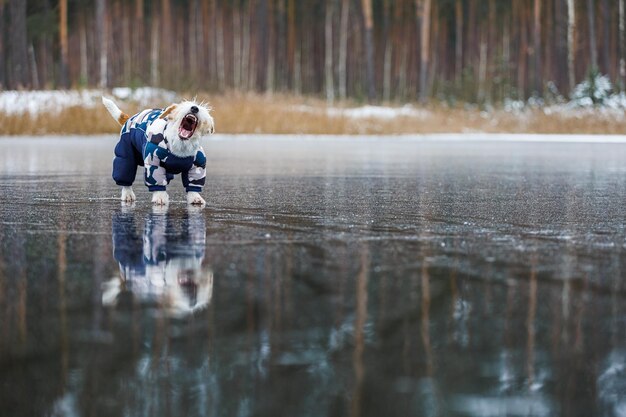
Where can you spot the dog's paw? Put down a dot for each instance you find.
(128, 196)
(195, 199)
(160, 198)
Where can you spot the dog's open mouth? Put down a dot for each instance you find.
(187, 126)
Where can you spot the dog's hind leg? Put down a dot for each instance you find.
(125, 167)
(128, 196)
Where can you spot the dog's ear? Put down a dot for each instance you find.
(167, 111)
(210, 128)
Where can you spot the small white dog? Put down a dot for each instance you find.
(166, 142)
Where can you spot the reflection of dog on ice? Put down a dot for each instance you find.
(166, 268)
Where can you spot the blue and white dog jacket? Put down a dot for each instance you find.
(142, 143)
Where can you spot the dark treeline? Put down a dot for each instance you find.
(471, 50)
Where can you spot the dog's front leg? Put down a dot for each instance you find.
(128, 196)
(195, 198)
(160, 198)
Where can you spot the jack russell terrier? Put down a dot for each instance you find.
(165, 142)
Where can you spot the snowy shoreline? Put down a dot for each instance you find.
(36, 102)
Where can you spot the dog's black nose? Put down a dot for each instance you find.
(194, 109)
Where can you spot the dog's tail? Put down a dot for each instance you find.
(115, 111)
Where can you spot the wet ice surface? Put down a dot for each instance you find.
(326, 276)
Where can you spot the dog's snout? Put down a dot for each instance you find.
(194, 109)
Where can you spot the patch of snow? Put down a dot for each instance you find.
(377, 112)
(592, 97)
(367, 112)
(595, 89)
(35, 102)
(54, 101)
(513, 106)
(144, 95)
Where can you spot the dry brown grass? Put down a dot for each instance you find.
(254, 113)
(72, 120)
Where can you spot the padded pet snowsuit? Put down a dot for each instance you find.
(142, 143)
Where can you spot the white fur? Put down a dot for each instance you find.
(160, 198)
(128, 196)
(195, 198)
(188, 147)
(112, 108)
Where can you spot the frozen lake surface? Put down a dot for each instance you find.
(326, 277)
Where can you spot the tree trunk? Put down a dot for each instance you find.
(482, 65)
(571, 46)
(64, 80)
(19, 46)
(291, 38)
(194, 31)
(425, 47)
(491, 49)
(3, 82)
(127, 43)
(537, 46)
(237, 50)
(387, 58)
(138, 47)
(103, 41)
(154, 49)
(560, 55)
(343, 49)
(205, 49)
(622, 43)
(260, 47)
(458, 56)
(84, 62)
(282, 76)
(606, 41)
(328, 53)
(297, 51)
(506, 59)
(593, 45)
(181, 54)
(33, 67)
(548, 51)
(219, 48)
(438, 57)
(271, 51)
(246, 60)
(470, 56)
(523, 54)
(46, 47)
(167, 42)
(369, 49)
(402, 72)
(387, 71)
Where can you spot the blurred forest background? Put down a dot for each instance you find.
(369, 50)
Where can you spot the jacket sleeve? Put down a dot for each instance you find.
(195, 177)
(155, 154)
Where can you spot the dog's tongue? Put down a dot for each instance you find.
(187, 127)
(184, 133)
